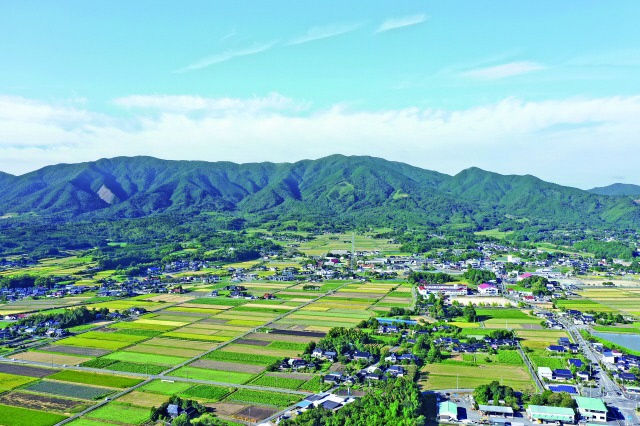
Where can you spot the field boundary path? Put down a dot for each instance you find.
(533, 373)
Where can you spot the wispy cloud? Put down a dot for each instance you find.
(226, 56)
(510, 69)
(404, 21)
(325, 31)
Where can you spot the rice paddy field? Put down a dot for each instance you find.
(325, 243)
(512, 319)
(624, 300)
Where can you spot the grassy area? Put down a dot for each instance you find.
(16, 416)
(213, 375)
(95, 379)
(115, 412)
(264, 398)
(450, 376)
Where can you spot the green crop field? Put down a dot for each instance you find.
(254, 359)
(264, 398)
(143, 358)
(95, 379)
(16, 416)
(166, 387)
(278, 382)
(208, 392)
(69, 390)
(213, 375)
(121, 413)
(501, 313)
(10, 381)
(132, 367)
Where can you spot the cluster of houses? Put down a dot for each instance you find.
(550, 320)
(14, 294)
(186, 265)
(47, 328)
(240, 292)
(487, 343)
(619, 363)
(579, 317)
(564, 346)
(326, 400)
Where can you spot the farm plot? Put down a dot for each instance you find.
(583, 305)
(213, 375)
(278, 382)
(74, 350)
(163, 387)
(101, 340)
(540, 339)
(23, 370)
(227, 366)
(50, 358)
(41, 402)
(254, 413)
(447, 376)
(252, 358)
(207, 392)
(178, 343)
(143, 399)
(135, 325)
(16, 416)
(145, 358)
(97, 379)
(262, 350)
(274, 337)
(10, 381)
(264, 398)
(161, 350)
(115, 412)
(69, 390)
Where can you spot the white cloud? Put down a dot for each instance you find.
(571, 141)
(405, 21)
(186, 104)
(227, 56)
(325, 31)
(510, 69)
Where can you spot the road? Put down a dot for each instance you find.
(613, 394)
(532, 371)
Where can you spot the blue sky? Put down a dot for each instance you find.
(540, 87)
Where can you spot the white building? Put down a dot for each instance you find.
(545, 373)
(447, 290)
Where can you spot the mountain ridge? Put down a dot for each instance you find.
(354, 187)
(617, 189)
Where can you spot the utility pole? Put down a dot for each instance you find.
(353, 249)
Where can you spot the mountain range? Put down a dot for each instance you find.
(359, 187)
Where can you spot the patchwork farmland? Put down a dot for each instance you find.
(215, 350)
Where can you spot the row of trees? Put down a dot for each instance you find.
(396, 402)
(67, 318)
(26, 281)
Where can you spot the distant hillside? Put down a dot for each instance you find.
(624, 189)
(363, 189)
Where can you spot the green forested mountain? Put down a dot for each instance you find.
(623, 189)
(361, 189)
